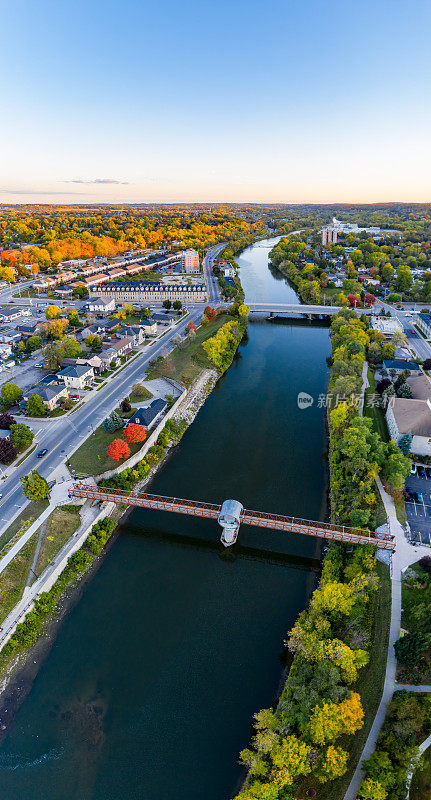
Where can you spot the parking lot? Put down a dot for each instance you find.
(418, 504)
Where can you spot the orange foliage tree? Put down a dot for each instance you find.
(134, 433)
(118, 449)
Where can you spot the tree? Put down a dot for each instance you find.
(191, 327)
(410, 648)
(177, 304)
(290, 758)
(34, 486)
(135, 433)
(243, 310)
(33, 343)
(52, 312)
(125, 405)
(425, 563)
(330, 720)
(51, 356)
(6, 420)
(427, 363)
(372, 790)
(55, 328)
(118, 449)
(396, 466)
(93, 341)
(209, 313)
(404, 390)
(405, 443)
(69, 347)
(333, 764)
(7, 451)
(369, 299)
(353, 300)
(21, 436)
(167, 304)
(10, 393)
(113, 422)
(36, 407)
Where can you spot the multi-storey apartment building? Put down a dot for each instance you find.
(190, 261)
(137, 292)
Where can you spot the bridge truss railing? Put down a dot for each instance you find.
(196, 508)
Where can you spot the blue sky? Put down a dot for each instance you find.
(295, 101)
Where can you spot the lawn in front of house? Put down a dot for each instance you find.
(91, 458)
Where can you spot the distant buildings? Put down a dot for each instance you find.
(423, 322)
(329, 236)
(190, 261)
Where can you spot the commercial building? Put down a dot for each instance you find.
(137, 292)
(389, 326)
(423, 322)
(329, 236)
(190, 261)
(101, 305)
(414, 417)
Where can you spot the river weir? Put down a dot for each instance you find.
(151, 684)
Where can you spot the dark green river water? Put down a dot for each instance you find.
(150, 687)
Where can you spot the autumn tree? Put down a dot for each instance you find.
(135, 433)
(7, 451)
(330, 720)
(371, 790)
(34, 486)
(10, 393)
(52, 312)
(118, 449)
(6, 420)
(333, 764)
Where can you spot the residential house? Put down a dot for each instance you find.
(116, 273)
(78, 376)
(150, 415)
(411, 416)
(10, 337)
(95, 329)
(5, 350)
(149, 327)
(94, 361)
(107, 357)
(9, 314)
(401, 366)
(51, 394)
(163, 319)
(122, 347)
(420, 386)
(30, 329)
(135, 333)
(101, 305)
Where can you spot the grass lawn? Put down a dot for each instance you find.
(14, 578)
(420, 788)
(370, 687)
(92, 459)
(411, 596)
(33, 510)
(185, 365)
(58, 528)
(140, 394)
(376, 415)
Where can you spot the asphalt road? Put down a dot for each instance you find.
(210, 278)
(62, 435)
(414, 339)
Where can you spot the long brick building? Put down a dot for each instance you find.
(148, 292)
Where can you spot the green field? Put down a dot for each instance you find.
(185, 365)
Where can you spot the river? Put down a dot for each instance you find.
(149, 689)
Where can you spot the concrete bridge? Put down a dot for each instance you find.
(195, 508)
(298, 308)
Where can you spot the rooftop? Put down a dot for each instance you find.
(412, 416)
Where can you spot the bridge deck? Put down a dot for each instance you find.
(260, 519)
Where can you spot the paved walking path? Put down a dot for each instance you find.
(422, 747)
(405, 555)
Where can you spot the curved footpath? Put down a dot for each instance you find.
(405, 555)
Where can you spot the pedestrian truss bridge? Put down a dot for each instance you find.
(297, 308)
(231, 515)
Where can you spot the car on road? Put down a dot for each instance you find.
(413, 469)
(421, 471)
(42, 453)
(39, 365)
(418, 497)
(428, 472)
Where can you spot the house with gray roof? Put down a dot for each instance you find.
(150, 415)
(77, 376)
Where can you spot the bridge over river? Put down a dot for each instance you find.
(195, 508)
(297, 308)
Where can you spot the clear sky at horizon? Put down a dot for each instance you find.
(283, 101)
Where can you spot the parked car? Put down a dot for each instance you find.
(413, 469)
(74, 396)
(38, 366)
(428, 472)
(421, 471)
(419, 497)
(42, 453)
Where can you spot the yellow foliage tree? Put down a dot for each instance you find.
(290, 758)
(330, 720)
(333, 765)
(52, 312)
(372, 790)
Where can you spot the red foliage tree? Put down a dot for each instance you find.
(191, 327)
(118, 449)
(209, 312)
(134, 433)
(7, 451)
(369, 299)
(354, 300)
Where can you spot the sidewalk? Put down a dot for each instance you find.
(405, 555)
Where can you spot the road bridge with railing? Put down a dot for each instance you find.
(195, 508)
(298, 308)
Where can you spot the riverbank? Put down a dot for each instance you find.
(44, 622)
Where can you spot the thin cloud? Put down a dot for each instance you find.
(98, 180)
(35, 191)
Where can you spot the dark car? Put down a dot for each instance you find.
(421, 471)
(428, 472)
(42, 453)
